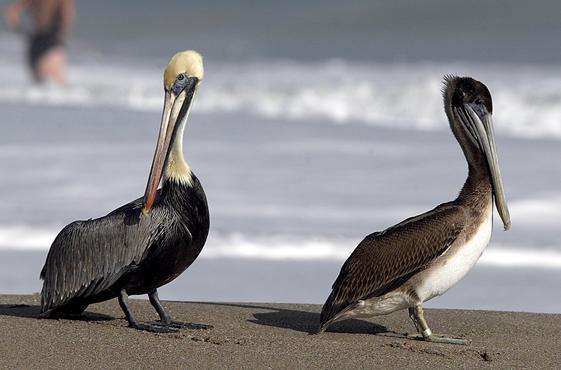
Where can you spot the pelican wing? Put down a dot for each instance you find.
(88, 257)
(385, 260)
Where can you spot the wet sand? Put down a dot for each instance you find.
(270, 336)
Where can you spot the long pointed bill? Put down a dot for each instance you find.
(482, 131)
(171, 117)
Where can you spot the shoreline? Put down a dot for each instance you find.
(286, 281)
(247, 335)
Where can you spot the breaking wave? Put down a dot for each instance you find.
(527, 100)
(284, 248)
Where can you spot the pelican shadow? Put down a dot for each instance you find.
(34, 312)
(304, 321)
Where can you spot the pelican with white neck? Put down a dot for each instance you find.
(144, 244)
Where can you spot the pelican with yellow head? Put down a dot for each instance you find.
(144, 244)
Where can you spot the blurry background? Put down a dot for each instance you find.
(317, 123)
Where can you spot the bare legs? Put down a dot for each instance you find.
(133, 323)
(417, 316)
(165, 318)
(166, 324)
(52, 66)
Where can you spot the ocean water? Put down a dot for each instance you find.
(304, 144)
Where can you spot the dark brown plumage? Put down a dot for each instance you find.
(384, 260)
(425, 255)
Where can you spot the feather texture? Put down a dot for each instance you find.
(95, 258)
(385, 260)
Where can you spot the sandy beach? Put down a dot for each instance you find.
(270, 336)
(318, 123)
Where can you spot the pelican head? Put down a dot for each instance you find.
(469, 108)
(182, 77)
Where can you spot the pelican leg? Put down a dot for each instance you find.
(133, 323)
(165, 317)
(414, 319)
(417, 316)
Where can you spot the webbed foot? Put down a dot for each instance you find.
(154, 328)
(440, 338)
(188, 325)
(417, 316)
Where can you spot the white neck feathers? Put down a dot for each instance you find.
(177, 168)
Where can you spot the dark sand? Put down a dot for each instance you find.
(270, 336)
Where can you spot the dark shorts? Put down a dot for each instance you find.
(39, 44)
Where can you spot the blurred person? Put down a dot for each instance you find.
(50, 25)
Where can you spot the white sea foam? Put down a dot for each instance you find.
(527, 101)
(239, 246)
(26, 238)
(285, 248)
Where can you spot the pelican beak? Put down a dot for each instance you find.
(479, 123)
(176, 109)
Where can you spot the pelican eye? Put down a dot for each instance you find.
(180, 84)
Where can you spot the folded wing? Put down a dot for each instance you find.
(385, 260)
(88, 257)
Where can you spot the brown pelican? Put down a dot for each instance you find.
(425, 255)
(144, 244)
